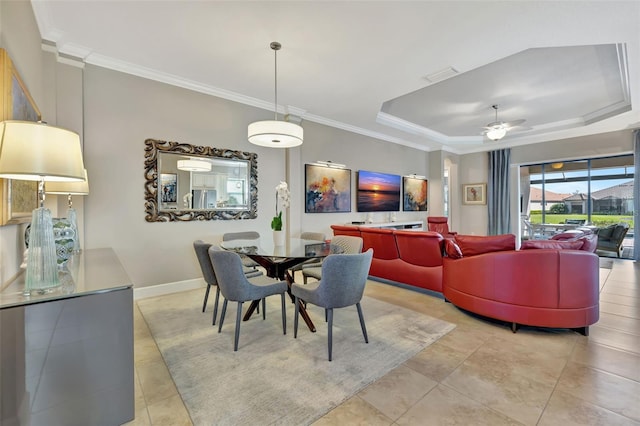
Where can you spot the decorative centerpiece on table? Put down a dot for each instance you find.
(282, 198)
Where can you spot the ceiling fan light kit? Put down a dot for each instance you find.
(498, 129)
(496, 133)
(274, 133)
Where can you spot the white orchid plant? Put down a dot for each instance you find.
(283, 196)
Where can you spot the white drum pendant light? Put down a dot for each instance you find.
(194, 165)
(274, 133)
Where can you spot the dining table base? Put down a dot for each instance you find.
(280, 270)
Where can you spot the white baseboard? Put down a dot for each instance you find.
(168, 288)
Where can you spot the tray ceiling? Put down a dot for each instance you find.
(421, 74)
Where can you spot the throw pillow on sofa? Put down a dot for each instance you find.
(552, 244)
(451, 249)
(472, 245)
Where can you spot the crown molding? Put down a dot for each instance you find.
(151, 74)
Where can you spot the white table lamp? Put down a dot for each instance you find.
(36, 151)
(69, 189)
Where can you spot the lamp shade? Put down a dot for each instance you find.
(194, 165)
(69, 187)
(37, 151)
(496, 133)
(275, 134)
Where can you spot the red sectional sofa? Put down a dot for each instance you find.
(550, 284)
(409, 257)
(543, 287)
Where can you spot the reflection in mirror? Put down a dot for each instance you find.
(186, 182)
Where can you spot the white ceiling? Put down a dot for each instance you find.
(569, 68)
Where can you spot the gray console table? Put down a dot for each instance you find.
(66, 357)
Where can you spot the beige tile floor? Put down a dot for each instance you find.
(478, 374)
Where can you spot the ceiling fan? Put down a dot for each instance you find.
(498, 129)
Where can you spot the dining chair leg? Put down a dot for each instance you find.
(284, 315)
(364, 327)
(238, 319)
(330, 330)
(264, 310)
(325, 315)
(222, 314)
(215, 307)
(206, 296)
(295, 317)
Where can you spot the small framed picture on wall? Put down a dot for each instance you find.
(168, 187)
(474, 193)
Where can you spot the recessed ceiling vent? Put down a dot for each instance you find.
(441, 75)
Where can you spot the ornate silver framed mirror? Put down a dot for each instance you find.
(185, 182)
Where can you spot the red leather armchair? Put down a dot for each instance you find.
(439, 224)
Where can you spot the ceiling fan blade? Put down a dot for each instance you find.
(514, 123)
(519, 128)
(508, 129)
(496, 125)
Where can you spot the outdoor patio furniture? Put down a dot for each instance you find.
(612, 237)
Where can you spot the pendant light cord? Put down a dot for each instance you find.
(275, 46)
(275, 74)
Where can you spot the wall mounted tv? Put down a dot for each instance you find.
(378, 192)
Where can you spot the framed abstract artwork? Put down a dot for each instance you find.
(414, 190)
(18, 197)
(169, 187)
(327, 189)
(474, 193)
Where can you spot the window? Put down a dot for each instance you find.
(595, 191)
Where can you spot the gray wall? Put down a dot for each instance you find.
(121, 111)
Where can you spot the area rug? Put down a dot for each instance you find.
(274, 378)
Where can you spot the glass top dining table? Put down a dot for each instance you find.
(277, 260)
(294, 248)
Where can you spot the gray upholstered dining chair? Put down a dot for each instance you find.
(244, 235)
(349, 245)
(202, 253)
(315, 236)
(235, 286)
(343, 279)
